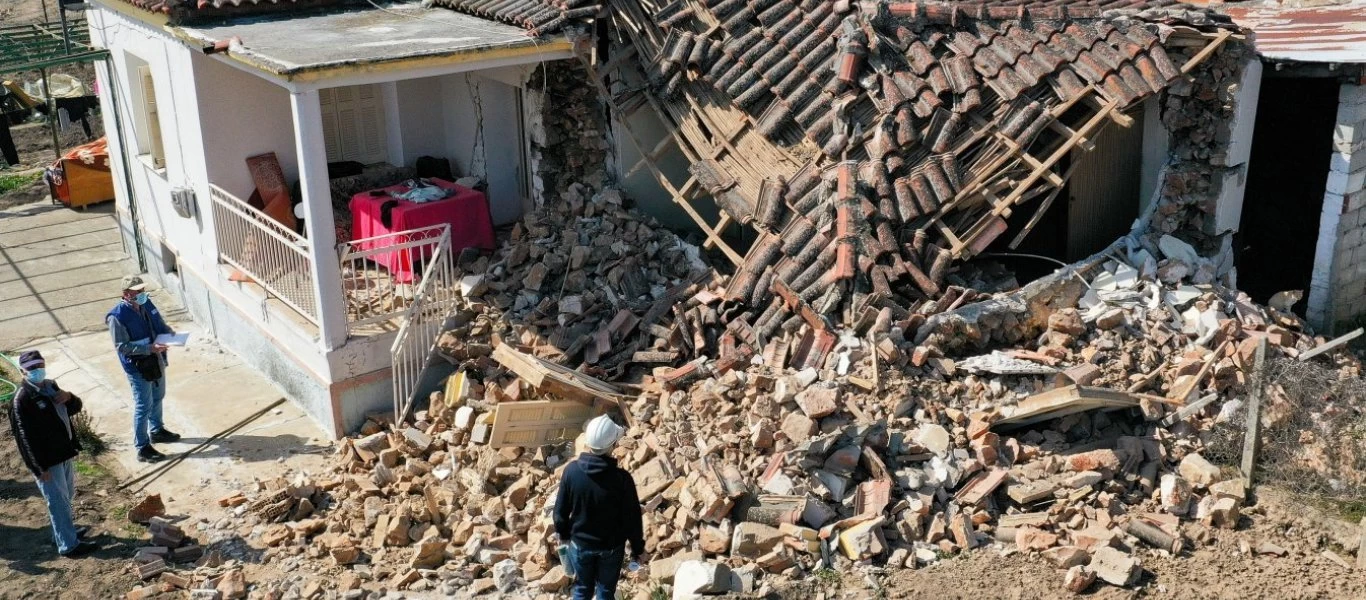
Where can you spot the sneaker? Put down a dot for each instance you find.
(165, 436)
(80, 550)
(149, 454)
(82, 532)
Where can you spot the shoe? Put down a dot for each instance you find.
(82, 532)
(149, 454)
(80, 550)
(165, 436)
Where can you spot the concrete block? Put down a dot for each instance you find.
(1228, 207)
(1347, 162)
(1345, 183)
(1351, 94)
(1355, 200)
(1245, 114)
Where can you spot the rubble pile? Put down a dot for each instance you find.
(584, 281)
(174, 562)
(1082, 443)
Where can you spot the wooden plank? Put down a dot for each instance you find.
(1188, 410)
(1206, 52)
(1331, 344)
(1064, 401)
(550, 378)
(1254, 412)
(1194, 384)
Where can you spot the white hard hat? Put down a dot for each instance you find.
(601, 433)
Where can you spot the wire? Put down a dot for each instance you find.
(1021, 255)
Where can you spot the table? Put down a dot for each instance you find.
(466, 212)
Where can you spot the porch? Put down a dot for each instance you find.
(341, 317)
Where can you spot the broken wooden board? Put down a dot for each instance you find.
(549, 378)
(1331, 344)
(533, 423)
(1061, 402)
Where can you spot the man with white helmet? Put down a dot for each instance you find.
(597, 512)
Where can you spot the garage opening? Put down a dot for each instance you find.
(1287, 176)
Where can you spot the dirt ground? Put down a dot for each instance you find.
(29, 564)
(1219, 567)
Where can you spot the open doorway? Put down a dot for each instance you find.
(1286, 177)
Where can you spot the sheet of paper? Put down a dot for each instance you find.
(174, 339)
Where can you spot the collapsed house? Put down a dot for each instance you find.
(843, 386)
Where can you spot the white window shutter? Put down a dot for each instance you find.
(149, 106)
(353, 124)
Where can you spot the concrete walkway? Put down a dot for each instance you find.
(58, 270)
(70, 284)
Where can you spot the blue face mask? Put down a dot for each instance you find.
(141, 298)
(36, 376)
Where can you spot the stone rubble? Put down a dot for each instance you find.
(754, 474)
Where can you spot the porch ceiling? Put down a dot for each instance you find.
(324, 45)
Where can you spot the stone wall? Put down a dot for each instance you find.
(570, 148)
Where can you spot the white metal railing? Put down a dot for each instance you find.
(270, 254)
(383, 275)
(422, 322)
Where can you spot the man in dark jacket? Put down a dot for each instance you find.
(597, 512)
(134, 325)
(40, 417)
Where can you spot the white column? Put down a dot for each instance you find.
(318, 221)
(393, 123)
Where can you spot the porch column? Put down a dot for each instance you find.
(318, 221)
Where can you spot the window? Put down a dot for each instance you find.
(353, 124)
(149, 136)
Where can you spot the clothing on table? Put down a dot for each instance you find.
(597, 571)
(597, 507)
(47, 443)
(419, 191)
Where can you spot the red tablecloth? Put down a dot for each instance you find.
(467, 213)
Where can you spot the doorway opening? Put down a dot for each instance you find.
(1287, 175)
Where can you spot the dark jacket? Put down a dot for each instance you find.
(44, 439)
(142, 324)
(597, 507)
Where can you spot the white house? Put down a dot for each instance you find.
(193, 90)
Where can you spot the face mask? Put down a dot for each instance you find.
(36, 375)
(141, 298)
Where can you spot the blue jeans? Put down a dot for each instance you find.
(58, 491)
(147, 396)
(597, 569)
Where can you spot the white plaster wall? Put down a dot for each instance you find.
(242, 115)
(421, 119)
(133, 41)
(1156, 152)
(469, 101)
(1228, 207)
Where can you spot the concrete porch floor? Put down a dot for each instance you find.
(209, 389)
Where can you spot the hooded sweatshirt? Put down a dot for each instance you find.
(597, 507)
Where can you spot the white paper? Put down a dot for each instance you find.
(173, 339)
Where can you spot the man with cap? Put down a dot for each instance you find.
(135, 324)
(40, 418)
(597, 513)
